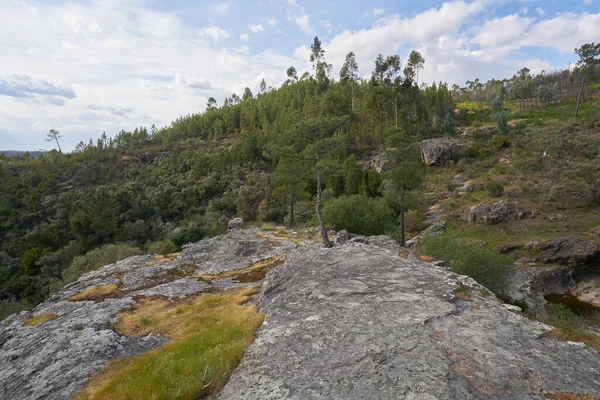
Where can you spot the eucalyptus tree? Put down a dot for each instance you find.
(415, 63)
(589, 57)
(349, 73)
(292, 74)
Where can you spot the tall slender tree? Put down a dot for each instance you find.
(589, 56)
(349, 73)
(53, 136)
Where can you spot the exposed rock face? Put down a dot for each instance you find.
(436, 227)
(235, 223)
(531, 284)
(439, 151)
(493, 213)
(587, 290)
(360, 322)
(567, 251)
(356, 321)
(54, 360)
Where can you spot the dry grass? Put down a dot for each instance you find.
(461, 292)
(208, 336)
(159, 259)
(40, 319)
(251, 273)
(426, 258)
(568, 396)
(96, 294)
(576, 335)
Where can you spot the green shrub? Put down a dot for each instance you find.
(162, 247)
(562, 317)
(499, 142)
(483, 264)
(359, 214)
(9, 307)
(97, 258)
(495, 189)
(189, 235)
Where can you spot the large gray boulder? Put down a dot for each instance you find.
(360, 322)
(52, 361)
(567, 251)
(439, 151)
(492, 213)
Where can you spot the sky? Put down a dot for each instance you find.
(92, 66)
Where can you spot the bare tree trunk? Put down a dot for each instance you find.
(291, 224)
(322, 227)
(579, 96)
(58, 144)
(402, 235)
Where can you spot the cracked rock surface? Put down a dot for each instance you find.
(55, 359)
(360, 322)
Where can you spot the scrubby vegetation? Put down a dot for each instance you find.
(208, 336)
(483, 264)
(270, 157)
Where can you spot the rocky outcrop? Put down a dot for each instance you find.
(435, 228)
(567, 251)
(53, 360)
(492, 213)
(531, 283)
(360, 322)
(355, 321)
(439, 151)
(235, 223)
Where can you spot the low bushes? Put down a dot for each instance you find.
(97, 258)
(483, 264)
(359, 214)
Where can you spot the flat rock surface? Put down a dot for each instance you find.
(360, 322)
(56, 358)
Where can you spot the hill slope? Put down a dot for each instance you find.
(354, 321)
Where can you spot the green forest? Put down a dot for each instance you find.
(272, 157)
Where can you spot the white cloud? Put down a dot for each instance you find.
(325, 24)
(540, 11)
(222, 8)
(378, 11)
(500, 32)
(256, 28)
(272, 21)
(214, 32)
(304, 23)
(244, 37)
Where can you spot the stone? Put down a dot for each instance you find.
(530, 284)
(439, 151)
(55, 359)
(567, 251)
(360, 322)
(235, 223)
(435, 228)
(356, 321)
(343, 236)
(491, 213)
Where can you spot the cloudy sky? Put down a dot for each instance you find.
(90, 66)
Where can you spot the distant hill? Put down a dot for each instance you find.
(10, 153)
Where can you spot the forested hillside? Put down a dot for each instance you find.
(261, 157)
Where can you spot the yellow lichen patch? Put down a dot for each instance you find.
(208, 336)
(40, 319)
(252, 273)
(404, 254)
(158, 259)
(426, 258)
(576, 335)
(568, 396)
(98, 293)
(461, 292)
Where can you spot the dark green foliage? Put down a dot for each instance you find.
(449, 126)
(481, 263)
(189, 235)
(495, 189)
(371, 184)
(359, 214)
(97, 258)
